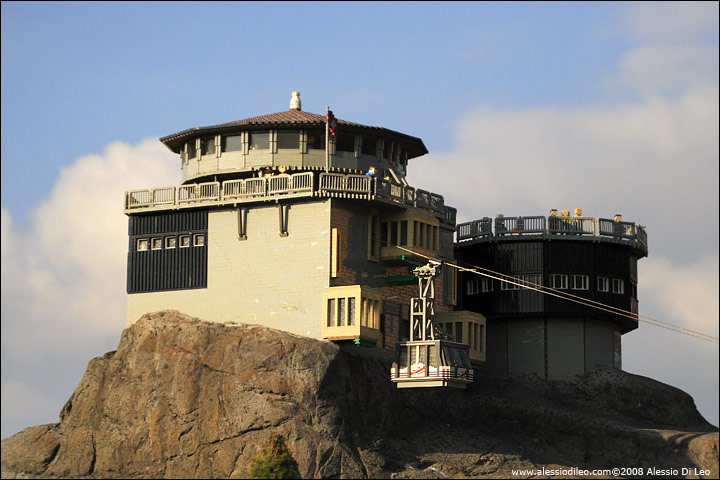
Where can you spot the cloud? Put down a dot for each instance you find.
(651, 154)
(669, 22)
(63, 274)
(655, 162)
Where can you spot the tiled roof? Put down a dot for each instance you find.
(288, 116)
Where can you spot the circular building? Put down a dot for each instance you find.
(586, 259)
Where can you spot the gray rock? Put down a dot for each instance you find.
(183, 398)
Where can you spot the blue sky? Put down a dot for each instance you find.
(608, 106)
(82, 75)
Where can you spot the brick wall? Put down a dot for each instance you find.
(351, 219)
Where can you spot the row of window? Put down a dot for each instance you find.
(475, 331)
(290, 140)
(157, 243)
(396, 233)
(557, 281)
(341, 312)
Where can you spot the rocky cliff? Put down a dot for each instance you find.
(185, 398)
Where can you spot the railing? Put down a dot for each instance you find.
(571, 225)
(476, 228)
(555, 225)
(198, 192)
(339, 183)
(253, 189)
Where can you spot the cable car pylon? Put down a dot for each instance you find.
(431, 358)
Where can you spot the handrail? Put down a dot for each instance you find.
(552, 225)
(298, 184)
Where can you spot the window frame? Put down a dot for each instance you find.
(584, 282)
(156, 241)
(139, 242)
(621, 283)
(564, 283)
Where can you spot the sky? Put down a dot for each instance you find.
(524, 107)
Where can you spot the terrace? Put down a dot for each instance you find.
(280, 187)
(560, 227)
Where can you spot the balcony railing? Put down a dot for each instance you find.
(552, 225)
(299, 184)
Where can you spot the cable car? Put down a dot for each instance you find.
(430, 358)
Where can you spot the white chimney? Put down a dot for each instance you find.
(295, 103)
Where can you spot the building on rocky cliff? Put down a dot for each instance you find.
(594, 260)
(270, 227)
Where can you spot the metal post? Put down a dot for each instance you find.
(327, 140)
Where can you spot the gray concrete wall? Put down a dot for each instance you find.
(496, 362)
(526, 347)
(565, 352)
(598, 344)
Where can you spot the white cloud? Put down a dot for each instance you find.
(655, 162)
(688, 292)
(63, 274)
(669, 22)
(652, 157)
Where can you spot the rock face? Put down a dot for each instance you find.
(183, 398)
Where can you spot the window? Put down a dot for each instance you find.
(509, 286)
(384, 234)
(191, 149)
(157, 243)
(232, 143)
(458, 332)
(259, 140)
(351, 306)
(487, 284)
(559, 281)
(315, 140)
(404, 232)
(170, 242)
(199, 240)
(369, 146)
(142, 245)
(580, 282)
(351, 311)
(207, 146)
(331, 312)
(618, 286)
(532, 279)
(472, 286)
(373, 237)
(393, 233)
(341, 312)
(603, 284)
(184, 241)
(386, 150)
(288, 140)
(345, 143)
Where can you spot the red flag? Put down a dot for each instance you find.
(332, 122)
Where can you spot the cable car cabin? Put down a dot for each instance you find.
(431, 363)
(431, 358)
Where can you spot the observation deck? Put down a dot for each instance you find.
(554, 228)
(275, 188)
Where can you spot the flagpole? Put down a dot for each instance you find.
(327, 139)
